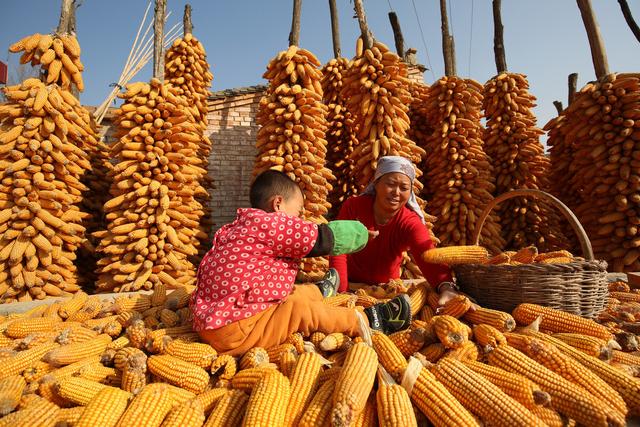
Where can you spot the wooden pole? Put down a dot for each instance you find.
(558, 105)
(598, 53)
(72, 18)
(573, 83)
(158, 39)
(498, 37)
(367, 37)
(448, 47)
(629, 18)
(294, 35)
(397, 34)
(187, 25)
(335, 29)
(65, 16)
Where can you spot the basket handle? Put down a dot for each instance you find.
(587, 251)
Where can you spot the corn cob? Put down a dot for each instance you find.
(229, 411)
(368, 416)
(389, 355)
(494, 406)
(78, 390)
(589, 345)
(297, 340)
(304, 383)
(33, 340)
(456, 306)
(148, 408)
(467, 352)
(254, 358)
(565, 397)
(340, 300)
(450, 331)
(247, 379)
(316, 338)
(75, 335)
(40, 412)
(134, 372)
(70, 353)
(210, 398)
(455, 255)
(354, 384)
(551, 417)
(418, 297)
(178, 372)
(625, 358)
(558, 362)
(489, 336)
(228, 363)
(88, 311)
(262, 408)
(11, 389)
(24, 359)
(409, 341)
(319, 409)
(335, 342)
(106, 407)
(518, 387)
(73, 304)
(433, 352)
(500, 320)
(96, 372)
(37, 371)
(137, 334)
(199, 354)
(69, 416)
(20, 328)
(394, 406)
(188, 414)
(159, 295)
(623, 384)
(559, 321)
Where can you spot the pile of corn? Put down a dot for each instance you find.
(57, 54)
(136, 361)
(593, 163)
(340, 135)
(459, 174)
(42, 130)
(187, 70)
(512, 142)
(530, 255)
(152, 215)
(291, 139)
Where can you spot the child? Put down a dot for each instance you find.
(245, 295)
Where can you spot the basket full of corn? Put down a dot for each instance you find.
(553, 279)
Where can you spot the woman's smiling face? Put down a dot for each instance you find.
(393, 191)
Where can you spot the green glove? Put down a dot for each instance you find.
(348, 236)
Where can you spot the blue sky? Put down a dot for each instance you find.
(545, 39)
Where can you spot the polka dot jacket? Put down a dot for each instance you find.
(251, 266)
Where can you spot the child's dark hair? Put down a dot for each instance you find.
(269, 184)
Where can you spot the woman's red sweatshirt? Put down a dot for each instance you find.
(380, 260)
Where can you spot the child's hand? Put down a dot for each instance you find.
(373, 234)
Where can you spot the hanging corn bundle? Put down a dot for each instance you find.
(375, 90)
(458, 170)
(187, 70)
(291, 139)
(41, 131)
(518, 161)
(152, 214)
(57, 54)
(593, 158)
(420, 130)
(341, 139)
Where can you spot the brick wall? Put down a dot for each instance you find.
(233, 129)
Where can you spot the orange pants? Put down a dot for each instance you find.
(302, 311)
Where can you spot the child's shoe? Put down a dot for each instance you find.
(330, 283)
(391, 316)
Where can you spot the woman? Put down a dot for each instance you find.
(389, 206)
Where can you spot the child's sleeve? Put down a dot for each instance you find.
(419, 240)
(340, 237)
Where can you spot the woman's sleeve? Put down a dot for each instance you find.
(419, 241)
(339, 262)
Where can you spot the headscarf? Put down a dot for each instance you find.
(390, 164)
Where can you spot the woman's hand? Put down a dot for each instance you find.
(373, 234)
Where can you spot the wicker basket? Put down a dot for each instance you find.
(579, 287)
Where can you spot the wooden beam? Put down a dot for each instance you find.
(158, 39)
(629, 18)
(187, 25)
(573, 84)
(367, 37)
(598, 53)
(448, 45)
(498, 37)
(397, 34)
(294, 35)
(65, 17)
(335, 29)
(558, 105)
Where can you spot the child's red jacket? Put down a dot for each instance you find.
(252, 265)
